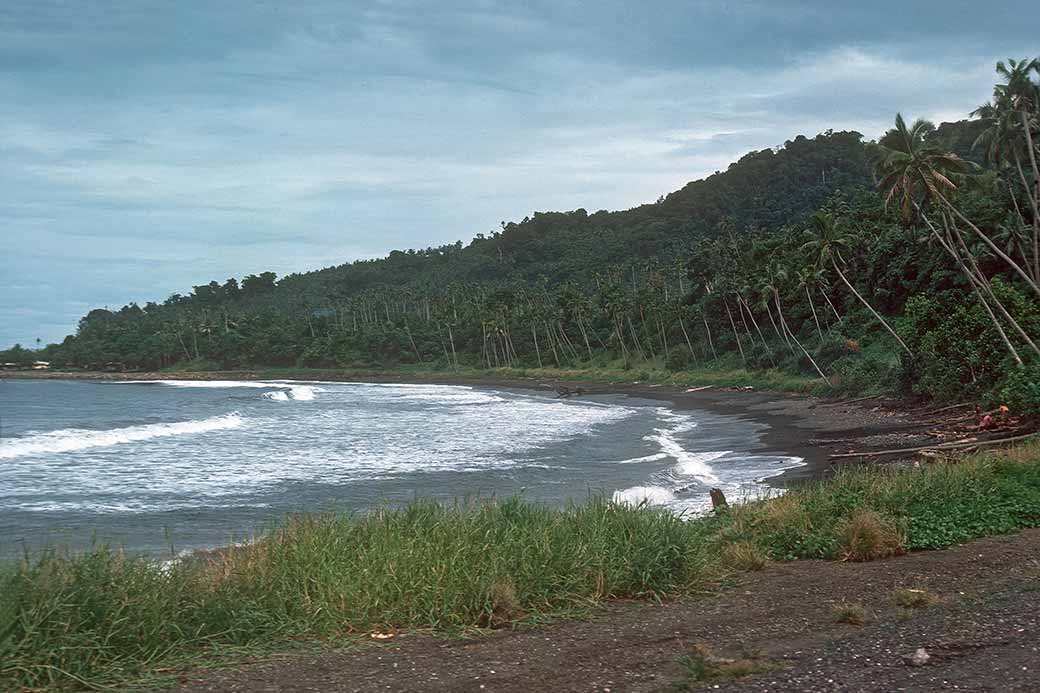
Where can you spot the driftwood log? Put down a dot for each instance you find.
(942, 446)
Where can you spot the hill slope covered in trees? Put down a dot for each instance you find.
(911, 263)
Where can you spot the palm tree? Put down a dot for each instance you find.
(911, 169)
(1021, 95)
(807, 277)
(1012, 116)
(918, 172)
(827, 244)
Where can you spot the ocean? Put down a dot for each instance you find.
(163, 467)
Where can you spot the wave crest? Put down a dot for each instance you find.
(70, 439)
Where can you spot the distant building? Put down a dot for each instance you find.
(41, 365)
(9, 366)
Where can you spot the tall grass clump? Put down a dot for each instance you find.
(872, 512)
(101, 616)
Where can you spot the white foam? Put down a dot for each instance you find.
(70, 439)
(687, 463)
(296, 390)
(644, 495)
(696, 464)
(645, 458)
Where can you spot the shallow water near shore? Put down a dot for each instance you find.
(165, 466)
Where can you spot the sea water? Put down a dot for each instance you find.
(168, 466)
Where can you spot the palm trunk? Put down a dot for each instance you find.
(829, 303)
(977, 279)
(813, 309)
(769, 312)
(736, 335)
(869, 307)
(537, 351)
(992, 246)
(758, 329)
(414, 348)
(1035, 204)
(707, 329)
(635, 338)
(454, 356)
(686, 336)
(984, 283)
(795, 338)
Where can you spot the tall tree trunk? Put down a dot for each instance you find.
(585, 337)
(552, 345)
(976, 278)
(1034, 202)
(869, 307)
(812, 307)
(736, 335)
(707, 329)
(686, 336)
(454, 356)
(537, 351)
(982, 281)
(769, 312)
(769, 352)
(992, 246)
(414, 348)
(829, 303)
(635, 338)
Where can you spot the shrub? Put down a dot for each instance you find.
(744, 556)
(867, 535)
(1020, 390)
(914, 599)
(853, 614)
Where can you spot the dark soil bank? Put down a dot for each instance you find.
(983, 634)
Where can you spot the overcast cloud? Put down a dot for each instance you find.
(146, 147)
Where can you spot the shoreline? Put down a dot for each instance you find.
(801, 425)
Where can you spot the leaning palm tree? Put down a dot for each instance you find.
(1013, 115)
(807, 278)
(1022, 96)
(918, 173)
(827, 243)
(911, 169)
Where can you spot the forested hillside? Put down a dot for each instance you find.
(911, 263)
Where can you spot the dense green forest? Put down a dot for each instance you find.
(908, 263)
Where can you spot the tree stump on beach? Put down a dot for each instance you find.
(718, 499)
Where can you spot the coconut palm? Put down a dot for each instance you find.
(911, 169)
(827, 243)
(807, 278)
(1013, 115)
(919, 173)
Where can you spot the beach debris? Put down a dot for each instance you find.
(562, 392)
(698, 388)
(718, 498)
(966, 442)
(382, 636)
(919, 658)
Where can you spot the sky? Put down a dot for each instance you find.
(146, 147)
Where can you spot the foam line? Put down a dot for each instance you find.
(70, 439)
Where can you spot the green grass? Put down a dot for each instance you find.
(101, 617)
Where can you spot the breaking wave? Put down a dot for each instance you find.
(289, 389)
(70, 439)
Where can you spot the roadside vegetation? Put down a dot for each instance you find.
(102, 617)
(909, 264)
